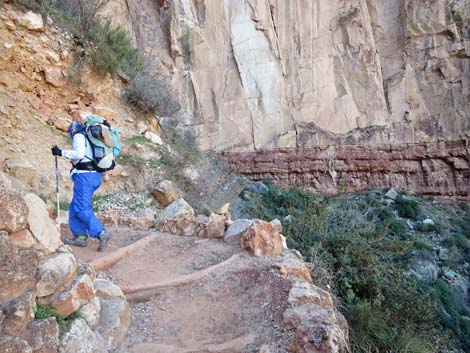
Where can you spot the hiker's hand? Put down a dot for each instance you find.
(56, 151)
(105, 122)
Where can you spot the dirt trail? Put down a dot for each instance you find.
(196, 295)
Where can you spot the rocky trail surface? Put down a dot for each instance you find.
(189, 294)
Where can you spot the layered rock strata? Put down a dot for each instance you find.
(434, 168)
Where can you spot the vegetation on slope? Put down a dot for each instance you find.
(369, 249)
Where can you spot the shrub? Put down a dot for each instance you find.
(152, 94)
(43, 312)
(428, 227)
(407, 207)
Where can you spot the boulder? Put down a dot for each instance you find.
(91, 312)
(294, 268)
(80, 338)
(23, 239)
(107, 290)
(316, 330)
(41, 226)
(178, 208)
(304, 293)
(44, 335)
(210, 227)
(68, 302)
(234, 232)
(10, 344)
(391, 194)
(182, 226)
(115, 321)
(110, 218)
(22, 169)
(13, 211)
(54, 76)
(166, 192)
(32, 21)
(154, 138)
(105, 111)
(17, 269)
(55, 273)
(262, 238)
(144, 219)
(17, 312)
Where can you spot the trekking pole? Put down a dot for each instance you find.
(57, 190)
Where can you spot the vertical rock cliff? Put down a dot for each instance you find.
(257, 74)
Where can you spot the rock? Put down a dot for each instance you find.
(110, 218)
(55, 272)
(107, 290)
(22, 169)
(23, 239)
(178, 208)
(68, 302)
(62, 123)
(429, 221)
(91, 312)
(41, 226)
(234, 232)
(154, 138)
(17, 270)
(53, 56)
(166, 192)
(262, 238)
(80, 338)
(304, 293)
(460, 286)
(5, 182)
(13, 211)
(10, 344)
(424, 269)
(316, 329)
(210, 227)
(44, 335)
(54, 76)
(284, 242)
(105, 112)
(32, 21)
(17, 312)
(143, 219)
(115, 321)
(294, 268)
(391, 194)
(224, 209)
(182, 226)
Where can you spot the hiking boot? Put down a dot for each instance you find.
(104, 238)
(79, 241)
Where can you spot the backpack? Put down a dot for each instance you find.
(104, 142)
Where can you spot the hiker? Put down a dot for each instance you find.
(86, 180)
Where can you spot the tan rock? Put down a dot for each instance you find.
(80, 338)
(32, 21)
(294, 268)
(105, 112)
(107, 290)
(5, 181)
(54, 76)
(41, 226)
(44, 335)
(178, 208)
(23, 239)
(143, 219)
(55, 273)
(224, 209)
(181, 225)
(53, 56)
(17, 314)
(304, 293)
(210, 227)
(110, 218)
(262, 238)
(65, 304)
(17, 270)
(115, 321)
(13, 211)
(154, 138)
(22, 169)
(166, 192)
(91, 312)
(10, 344)
(68, 302)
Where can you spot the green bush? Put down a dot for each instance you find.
(43, 312)
(428, 227)
(363, 249)
(407, 207)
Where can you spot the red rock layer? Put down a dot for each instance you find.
(440, 168)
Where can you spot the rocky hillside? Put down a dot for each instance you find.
(258, 74)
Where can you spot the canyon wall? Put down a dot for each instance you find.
(441, 168)
(261, 74)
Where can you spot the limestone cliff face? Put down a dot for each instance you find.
(260, 74)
